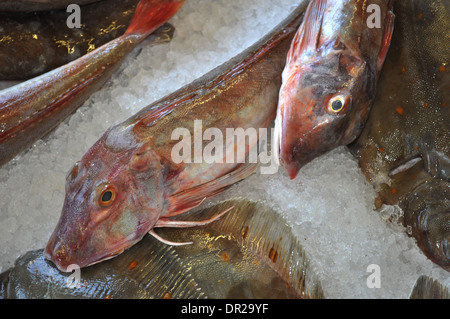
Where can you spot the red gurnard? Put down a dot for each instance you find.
(330, 77)
(31, 109)
(128, 183)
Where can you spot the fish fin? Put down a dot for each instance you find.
(163, 34)
(429, 288)
(168, 242)
(166, 222)
(151, 14)
(388, 30)
(308, 35)
(193, 197)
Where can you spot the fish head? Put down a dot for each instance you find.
(324, 101)
(427, 218)
(113, 198)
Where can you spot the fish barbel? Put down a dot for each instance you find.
(127, 183)
(330, 77)
(33, 108)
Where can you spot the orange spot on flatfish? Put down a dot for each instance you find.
(133, 265)
(399, 110)
(394, 191)
(273, 254)
(420, 16)
(442, 68)
(245, 232)
(225, 257)
(426, 105)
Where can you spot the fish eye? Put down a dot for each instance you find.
(107, 196)
(338, 103)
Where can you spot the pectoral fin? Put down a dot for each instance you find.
(185, 200)
(388, 30)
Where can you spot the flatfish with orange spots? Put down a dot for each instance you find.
(404, 149)
(249, 253)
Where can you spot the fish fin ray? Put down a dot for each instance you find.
(187, 199)
(308, 35)
(166, 222)
(151, 14)
(168, 242)
(388, 30)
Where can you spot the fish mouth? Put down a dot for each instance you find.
(289, 152)
(281, 156)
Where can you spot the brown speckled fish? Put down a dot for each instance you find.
(128, 183)
(33, 108)
(404, 149)
(330, 78)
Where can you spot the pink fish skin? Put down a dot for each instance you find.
(31, 109)
(127, 183)
(330, 78)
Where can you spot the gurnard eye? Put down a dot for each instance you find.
(107, 196)
(338, 104)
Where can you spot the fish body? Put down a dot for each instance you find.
(36, 42)
(128, 183)
(39, 5)
(404, 149)
(330, 78)
(31, 109)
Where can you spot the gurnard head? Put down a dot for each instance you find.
(324, 99)
(113, 198)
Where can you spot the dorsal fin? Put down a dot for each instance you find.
(307, 36)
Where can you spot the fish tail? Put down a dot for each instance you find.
(151, 14)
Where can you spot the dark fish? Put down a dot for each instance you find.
(38, 5)
(33, 108)
(249, 253)
(128, 182)
(404, 150)
(429, 288)
(330, 78)
(35, 43)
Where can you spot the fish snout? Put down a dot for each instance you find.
(57, 253)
